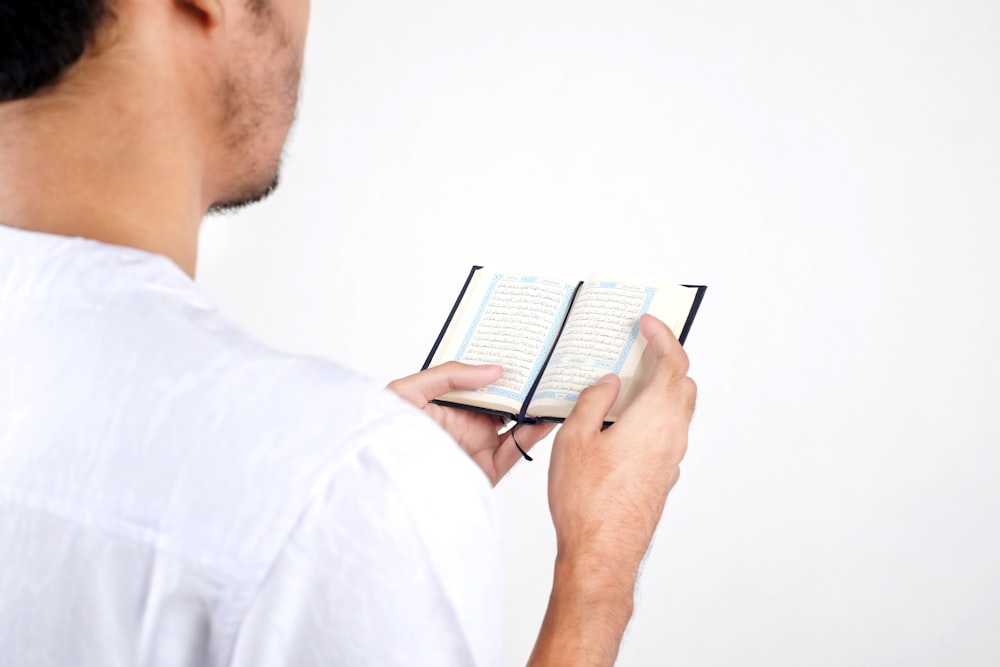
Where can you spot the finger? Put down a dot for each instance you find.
(421, 388)
(671, 361)
(593, 405)
(528, 435)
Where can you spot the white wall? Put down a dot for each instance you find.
(831, 169)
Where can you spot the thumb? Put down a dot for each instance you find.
(594, 404)
(427, 385)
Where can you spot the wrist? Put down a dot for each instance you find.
(589, 609)
(599, 581)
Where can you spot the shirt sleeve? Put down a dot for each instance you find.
(394, 563)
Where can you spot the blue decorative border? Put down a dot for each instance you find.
(561, 314)
(650, 293)
(479, 315)
(629, 343)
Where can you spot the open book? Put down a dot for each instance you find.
(555, 336)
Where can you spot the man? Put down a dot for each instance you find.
(172, 492)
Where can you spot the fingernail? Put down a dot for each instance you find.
(608, 379)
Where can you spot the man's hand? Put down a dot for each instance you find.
(484, 437)
(607, 489)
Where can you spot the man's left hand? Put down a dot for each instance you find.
(484, 437)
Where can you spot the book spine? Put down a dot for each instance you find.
(548, 357)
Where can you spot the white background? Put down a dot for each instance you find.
(831, 169)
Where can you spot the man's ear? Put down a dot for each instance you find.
(210, 13)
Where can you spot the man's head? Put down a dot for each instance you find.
(231, 69)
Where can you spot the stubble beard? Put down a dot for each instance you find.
(250, 197)
(254, 113)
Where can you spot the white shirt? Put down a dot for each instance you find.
(173, 493)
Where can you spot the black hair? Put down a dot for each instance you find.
(41, 39)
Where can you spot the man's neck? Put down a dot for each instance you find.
(105, 163)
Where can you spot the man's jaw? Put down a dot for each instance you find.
(246, 198)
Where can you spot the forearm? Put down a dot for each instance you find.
(589, 609)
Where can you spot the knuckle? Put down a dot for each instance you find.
(688, 395)
(674, 365)
(678, 398)
(689, 387)
(691, 405)
(681, 362)
(451, 369)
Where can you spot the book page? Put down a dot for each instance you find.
(602, 336)
(509, 319)
(600, 332)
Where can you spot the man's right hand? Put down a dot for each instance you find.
(607, 489)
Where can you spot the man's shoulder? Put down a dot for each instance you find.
(260, 434)
(140, 427)
(197, 437)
